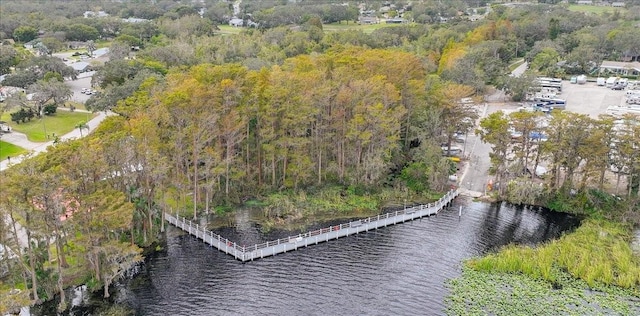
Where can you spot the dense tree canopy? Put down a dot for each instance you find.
(207, 120)
(25, 33)
(578, 150)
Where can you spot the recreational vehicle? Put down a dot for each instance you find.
(582, 79)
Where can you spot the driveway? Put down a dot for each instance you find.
(21, 140)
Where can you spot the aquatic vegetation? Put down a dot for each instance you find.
(497, 293)
(591, 271)
(598, 252)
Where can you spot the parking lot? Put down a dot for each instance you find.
(590, 98)
(77, 86)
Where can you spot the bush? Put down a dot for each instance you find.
(415, 177)
(50, 109)
(22, 116)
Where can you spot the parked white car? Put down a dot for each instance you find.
(633, 92)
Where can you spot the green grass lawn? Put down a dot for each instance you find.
(594, 9)
(228, 30)
(10, 150)
(59, 124)
(366, 28)
(78, 105)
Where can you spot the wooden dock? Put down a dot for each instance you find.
(291, 243)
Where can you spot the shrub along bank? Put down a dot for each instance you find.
(296, 210)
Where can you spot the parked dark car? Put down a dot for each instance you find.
(618, 87)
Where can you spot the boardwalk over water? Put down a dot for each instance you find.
(291, 243)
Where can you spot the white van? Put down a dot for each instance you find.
(611, 81)
(623, 82)
(633, 92)
(601, 81)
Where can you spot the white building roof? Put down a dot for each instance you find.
(620, 65)
(134, 20)
(236, 22)
(100, 51)
(80, 66)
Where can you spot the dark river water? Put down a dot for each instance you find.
(398, 270)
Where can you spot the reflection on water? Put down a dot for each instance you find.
(396, 270)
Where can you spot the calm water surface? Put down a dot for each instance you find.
(398, 270)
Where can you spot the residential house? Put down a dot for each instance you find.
(100, 52)
(94, 14)
(135, 20)
(628, 69)
(368, 20)
(396, 21)
(81, 66)
(31, 44)
(236, 22)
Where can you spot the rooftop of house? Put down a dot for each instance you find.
(620, 65)
(80, 66)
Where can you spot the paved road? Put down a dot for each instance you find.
(520, 70)
(475, 173)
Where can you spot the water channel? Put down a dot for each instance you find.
(398, 270)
